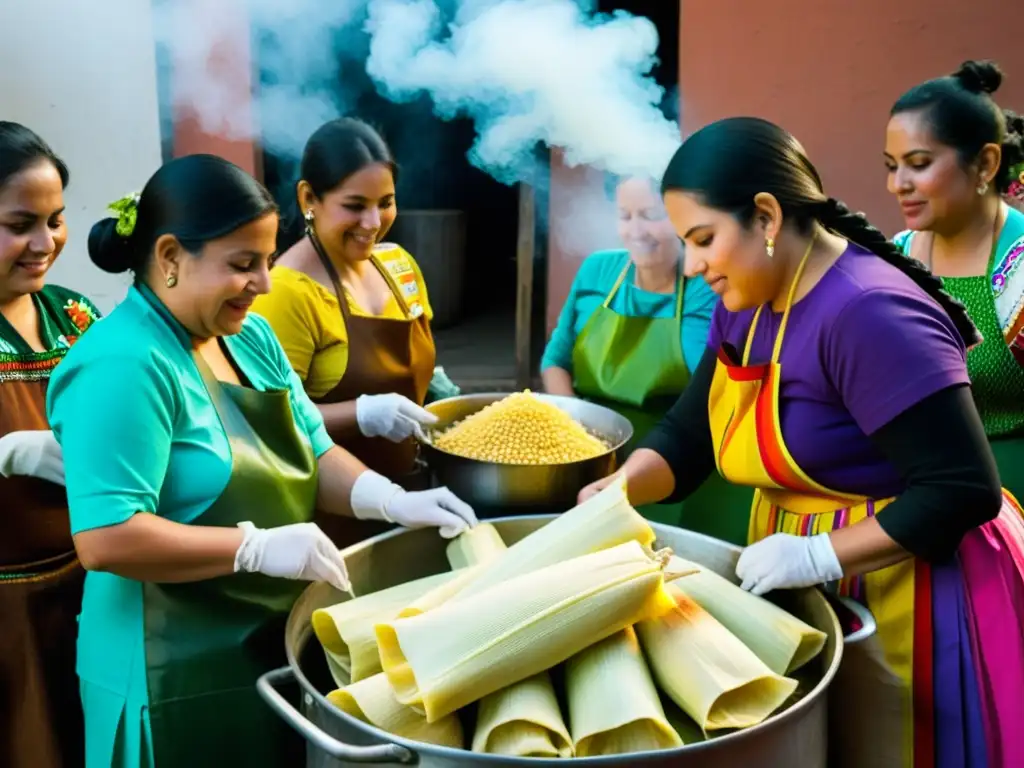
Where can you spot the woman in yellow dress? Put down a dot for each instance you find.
(835, 384)
(352, 312)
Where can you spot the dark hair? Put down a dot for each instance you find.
(334, 152)
(961, 113)
(729, 162)
(21, 147)
(196, 198)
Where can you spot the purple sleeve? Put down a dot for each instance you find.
(889, 350)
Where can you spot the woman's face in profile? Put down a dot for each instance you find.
(644, 226)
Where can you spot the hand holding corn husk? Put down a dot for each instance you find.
(783, 561)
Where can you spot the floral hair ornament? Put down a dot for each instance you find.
(126, 210)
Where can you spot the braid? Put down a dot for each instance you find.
(856, 228)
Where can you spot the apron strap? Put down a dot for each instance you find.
(332, 273)
(680, 282)
(618, 283)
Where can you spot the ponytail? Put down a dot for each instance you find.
(856, 228)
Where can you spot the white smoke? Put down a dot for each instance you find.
(529, 71)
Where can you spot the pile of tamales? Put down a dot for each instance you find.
(579, 640)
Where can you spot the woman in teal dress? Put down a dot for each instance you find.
(952, 156)
(40, 578)
(194, 462)
(632, 329)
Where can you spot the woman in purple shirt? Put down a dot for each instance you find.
(835, 384)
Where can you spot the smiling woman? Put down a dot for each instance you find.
(194, 464)
(40, 578)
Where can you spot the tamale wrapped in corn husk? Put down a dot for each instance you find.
(465, 649)
(778, 638)
(339, 667)
(706, 670)
(346, 630)
(524, 719)
(479, 544)
(604, 520)
(373, 701)
(614, 707)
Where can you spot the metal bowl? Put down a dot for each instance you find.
(487, 484)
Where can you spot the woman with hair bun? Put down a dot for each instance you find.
(194, 463)
(835, 384)
(952, 156)
(40, 578)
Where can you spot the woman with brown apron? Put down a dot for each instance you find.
(836, 386)
(631, 331)
(40, 578)
(194, 464)
(352, 312)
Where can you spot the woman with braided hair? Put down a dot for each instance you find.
(955, 159)
(835, 383)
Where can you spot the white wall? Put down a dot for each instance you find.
(82, 74)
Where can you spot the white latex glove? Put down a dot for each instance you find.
(374, 497)
(298, 551)
(35, 453)
(783, 561)
(391, 416)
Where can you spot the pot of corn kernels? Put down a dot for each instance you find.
(505, 452)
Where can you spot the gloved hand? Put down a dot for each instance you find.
(392, 416)
(783, 561)
(35, 453)
(298, 551)
(374, 497)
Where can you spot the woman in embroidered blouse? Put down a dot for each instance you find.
(352, 312)
(40, 578)
(194, 461)
(952, 155)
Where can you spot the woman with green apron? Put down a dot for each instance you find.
(194, 464)
(630, 332)
(952, 154)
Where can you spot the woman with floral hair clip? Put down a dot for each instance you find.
(40, 577)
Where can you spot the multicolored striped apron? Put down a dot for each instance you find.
(942, 683)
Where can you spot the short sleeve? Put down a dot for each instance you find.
(422, 285)
(114, 420)
(291, 310)
(306, 413)
(889, 350)
(699, 303)
(558, 352)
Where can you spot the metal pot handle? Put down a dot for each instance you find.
(868, 625)
(385, 753)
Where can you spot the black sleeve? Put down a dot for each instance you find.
(683, 436)
(952, 483)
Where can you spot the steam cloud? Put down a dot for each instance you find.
(525, 71)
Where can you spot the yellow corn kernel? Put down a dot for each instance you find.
(521, 429)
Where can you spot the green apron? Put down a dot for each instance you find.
(207, 642)
(635, 366)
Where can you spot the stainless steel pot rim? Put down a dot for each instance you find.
(614, 444)
(777, 720)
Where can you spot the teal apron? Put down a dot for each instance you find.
(635, 366)
(207, 642)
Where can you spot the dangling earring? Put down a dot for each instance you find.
(172, 280)
(769, 247)
(308, 216)
(983, 187)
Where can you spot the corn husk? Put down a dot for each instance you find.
(346, 630)
(373, 701)
(480, 544)
(604, 520)
(340, 668)
(614, 707)
(707, 671)
(778, 638)
(522, 720)
(465, 649)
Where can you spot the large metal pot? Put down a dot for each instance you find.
(517, 486)
(793, 737)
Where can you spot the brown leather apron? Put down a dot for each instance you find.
(384, 355)
(40, 598)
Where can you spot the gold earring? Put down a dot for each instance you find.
(172, 280)
(983, 187)
(769, 247)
